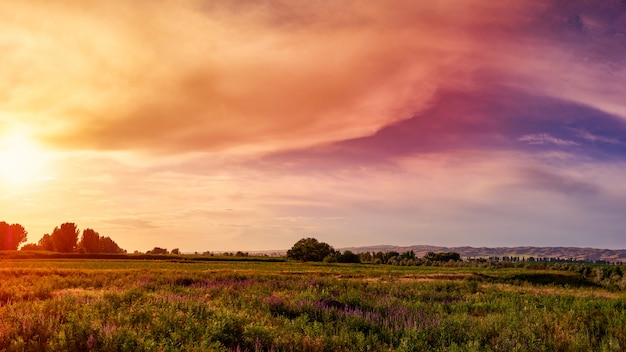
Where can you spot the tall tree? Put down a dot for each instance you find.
(310, 250)
(11, 236)
(46, 243)
(90, 241)
(107, 245)
(65, 237)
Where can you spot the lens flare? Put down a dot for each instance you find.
(21, 159)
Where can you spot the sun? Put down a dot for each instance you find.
(21, 159)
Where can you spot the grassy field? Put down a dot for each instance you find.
(148, 305)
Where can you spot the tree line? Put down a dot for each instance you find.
(65, 238)
(312, 250)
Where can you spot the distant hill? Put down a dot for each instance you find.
(589, 254)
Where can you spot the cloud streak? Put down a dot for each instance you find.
(544, 138)
(263, 76)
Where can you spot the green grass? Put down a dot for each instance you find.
(148, 305)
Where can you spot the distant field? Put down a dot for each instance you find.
(149, 305)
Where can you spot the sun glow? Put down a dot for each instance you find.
(21, 159)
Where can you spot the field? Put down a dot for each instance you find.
(148, 305)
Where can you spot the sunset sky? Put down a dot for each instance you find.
(247, 125)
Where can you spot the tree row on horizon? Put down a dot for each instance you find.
(64, 239)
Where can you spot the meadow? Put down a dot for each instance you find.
(178, 305)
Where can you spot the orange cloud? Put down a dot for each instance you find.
(172, 77)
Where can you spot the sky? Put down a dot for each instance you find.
(248, 125)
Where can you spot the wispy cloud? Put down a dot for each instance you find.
(131, 222)
(552, 181)
(545, 138)
(595, 138)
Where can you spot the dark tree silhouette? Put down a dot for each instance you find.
(30, 247)
(157, 250)
(310, 250)
(65, 237)
(90, 241)
(443, 256)
(107, 245)
(348, 257)
(46, 243)
(11, 236)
